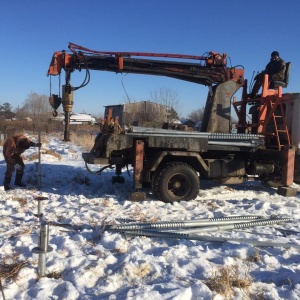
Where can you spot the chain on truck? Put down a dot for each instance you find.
(173, 161)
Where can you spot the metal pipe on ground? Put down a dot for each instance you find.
(235, 226)
(183, 224)
(202, 238)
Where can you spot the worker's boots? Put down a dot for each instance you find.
(18, 180)
(7, 186)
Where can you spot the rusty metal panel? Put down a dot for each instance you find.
(138, 163)
(288, 167)
(116, 111)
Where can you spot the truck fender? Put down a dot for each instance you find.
(161, 154)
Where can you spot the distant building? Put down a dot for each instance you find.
(197, 125)
(7, 115)
(187, 122)
(138, 112)
(27, 119)
(175, 122)
(75, 118)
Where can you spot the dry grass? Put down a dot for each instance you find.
(187, 280)
(254, 258)
(21, 201)
(123, 248)
(139, 216)
(142, 270)
(84, 139)
(54, 275)
(106, 202)
(212, 205)
(35, 156)
(83, 135)
(136, 273)
(92, 221)
(226, 278)
(10, 266)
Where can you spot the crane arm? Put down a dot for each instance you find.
(206, 70)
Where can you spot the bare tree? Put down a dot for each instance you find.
(36, 106)
(162, 106)
(196, 115)
(144, 112)
(169, 98)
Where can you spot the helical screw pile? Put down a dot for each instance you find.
(195, 233)
(180, 224)
(143, 229)
(261, 223)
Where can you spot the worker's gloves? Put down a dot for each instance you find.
(38, 145)
(18, 167)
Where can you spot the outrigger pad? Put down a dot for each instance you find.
(287, 191)
(137, 196)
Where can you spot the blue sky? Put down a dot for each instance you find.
(248, 31)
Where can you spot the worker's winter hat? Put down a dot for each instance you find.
(24, 144)
(275, 53)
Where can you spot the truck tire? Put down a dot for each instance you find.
(175, 182)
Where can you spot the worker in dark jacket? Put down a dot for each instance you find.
(12, 150)
(275, 69)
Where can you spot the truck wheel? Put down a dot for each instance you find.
(177, 181)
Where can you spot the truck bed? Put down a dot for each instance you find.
(175, 139)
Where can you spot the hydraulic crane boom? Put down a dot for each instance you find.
(210, 70)
(213, 70)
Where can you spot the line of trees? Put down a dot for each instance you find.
(196, 115)
(6, 111)
(36, 107)
(168, 98)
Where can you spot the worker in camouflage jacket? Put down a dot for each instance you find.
(275, 69)
(12, 150)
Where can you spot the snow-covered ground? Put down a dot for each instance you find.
(89, 262)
